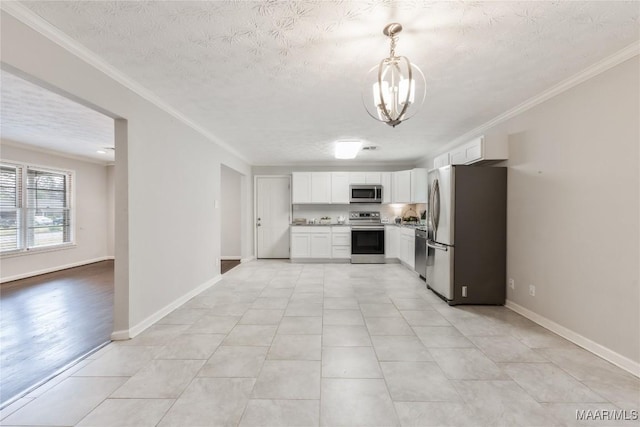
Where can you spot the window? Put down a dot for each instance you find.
(35, 207)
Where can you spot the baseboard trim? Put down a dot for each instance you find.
(230, 258)
(243, 260)
(54, 269)
(592, 346)
(125, 334)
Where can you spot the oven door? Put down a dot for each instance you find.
(367, 245)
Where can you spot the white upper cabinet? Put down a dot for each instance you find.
(409, 186)
(311, 187)
(320, 187)
(372, 178)
(419, 185)
(482, 148)
(340, 187)
(364, 178)
(467, 153)
(301, 187)
(401, 187)
(357, 178)
(333, 187)
(441, 160)
(387, 191)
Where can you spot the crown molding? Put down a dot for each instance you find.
(35, 22)
(29, 147)
(593, 70)
(345, 165)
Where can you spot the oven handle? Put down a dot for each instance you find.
(367, 228)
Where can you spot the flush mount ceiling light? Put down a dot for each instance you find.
(395, 89)
(347, 149)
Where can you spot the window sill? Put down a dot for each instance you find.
(41, 250)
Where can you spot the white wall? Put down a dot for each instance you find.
(573, 209)
(91, 213)
(173, 234)
(231, 213)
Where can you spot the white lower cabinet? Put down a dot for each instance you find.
(325, 243)
(341, 242)
(391, 241)
(341, 252)
(407, 247)
(321, 245)
(300, 245)
(313, 242)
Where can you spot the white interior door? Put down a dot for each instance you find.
(273, 215)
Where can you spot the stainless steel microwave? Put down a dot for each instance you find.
(365, 193)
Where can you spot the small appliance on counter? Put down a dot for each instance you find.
(299, 221)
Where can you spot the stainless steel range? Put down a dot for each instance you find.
(367, 237)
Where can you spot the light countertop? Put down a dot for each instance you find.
(320, 225)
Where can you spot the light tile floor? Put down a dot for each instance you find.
(279, 344)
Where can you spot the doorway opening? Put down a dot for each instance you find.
(231, 215)
(57, 232)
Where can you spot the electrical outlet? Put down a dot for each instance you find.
(512, 283)
(532, 290)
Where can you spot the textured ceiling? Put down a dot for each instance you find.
(281, 80)
(38, 117)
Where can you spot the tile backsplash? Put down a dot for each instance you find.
(334, 211)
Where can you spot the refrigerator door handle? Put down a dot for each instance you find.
(438, 246)
(434, 206)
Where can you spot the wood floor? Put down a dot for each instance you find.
(228, 264)
(50, 320)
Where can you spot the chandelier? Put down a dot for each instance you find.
(395, 89)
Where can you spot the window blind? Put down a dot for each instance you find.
(35, 207)
(10, 203)
(48, 213)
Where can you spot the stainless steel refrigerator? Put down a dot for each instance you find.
(466, 248)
